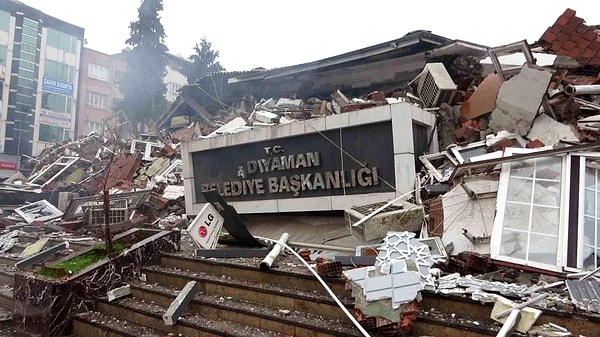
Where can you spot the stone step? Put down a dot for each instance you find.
(444, 325)
(462, 306)
(296, 276)
(6, 297)
(101, 325)
(7, 275)
(251, 291)
(190, 324)
(288, 322)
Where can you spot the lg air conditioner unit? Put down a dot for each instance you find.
(435, 86)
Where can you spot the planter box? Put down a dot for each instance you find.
(44, 307)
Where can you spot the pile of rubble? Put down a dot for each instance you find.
(65, 191)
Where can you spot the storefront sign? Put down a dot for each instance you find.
(56, 86)
(55, 118)
(206, 227)
(7, 165)
(336, 162)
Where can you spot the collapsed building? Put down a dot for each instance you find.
(466, 176)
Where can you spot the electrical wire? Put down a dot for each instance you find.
(327, 288)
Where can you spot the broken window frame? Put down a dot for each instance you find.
(119, 212)
(563, 213)
(76, 207)
(435, 172)
(581, 212)
(496, 52)
(64, 161)
(169, 170)
(456, 151)
(26, 211)
(147, 156)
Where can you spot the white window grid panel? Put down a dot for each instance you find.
(562, 240)
(581, 257)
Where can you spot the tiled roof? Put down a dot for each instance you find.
(570, 36)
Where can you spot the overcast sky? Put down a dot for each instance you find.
(270, 34)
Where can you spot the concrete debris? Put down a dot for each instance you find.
(180, 303)
(549, 330)
(502, 201)
(118, 293)
(34, 248)
(402, 216)
(549, 131)
(519, 100)
(528, 316)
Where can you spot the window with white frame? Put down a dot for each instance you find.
(92, 126)
(99, 72)
(589, 214)
(173, 87)
(531, 213)
(96, 100)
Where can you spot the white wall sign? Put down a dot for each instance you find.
(206, 227)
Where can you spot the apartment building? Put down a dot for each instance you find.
(39, 66)
(100, 76)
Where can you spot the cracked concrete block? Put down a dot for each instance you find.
(527, 319)
(519, 100)
(402, 217)
(179, 304)
(34, 248)
(551, 132)
(118, 293)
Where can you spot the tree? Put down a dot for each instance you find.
(203, 61)
(142, 86)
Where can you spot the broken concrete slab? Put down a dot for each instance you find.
(34, 248)
(483, 99)
(118, 293)
(528, 315)
(41, 256)
(471, 208)
(403, 216)
(178, 305)
(551, 132)
(519, 100)
(172, 192)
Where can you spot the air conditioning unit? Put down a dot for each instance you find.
(435, 86)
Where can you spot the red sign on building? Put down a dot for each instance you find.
(6, 165)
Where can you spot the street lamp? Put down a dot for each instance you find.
(28, 116)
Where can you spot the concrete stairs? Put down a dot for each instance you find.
(237, 299)
(234, 300)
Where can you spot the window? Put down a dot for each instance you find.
(119, 76)
(4, 21)
(30, 32)
(589, 215)
(56, 102)
(548, 212)
(530, 212)
(98, 72)
(96, 100)
(3, 55)
(53, 134)
(173, 87)
(92, 126)
(62, 41)
(59, 71)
